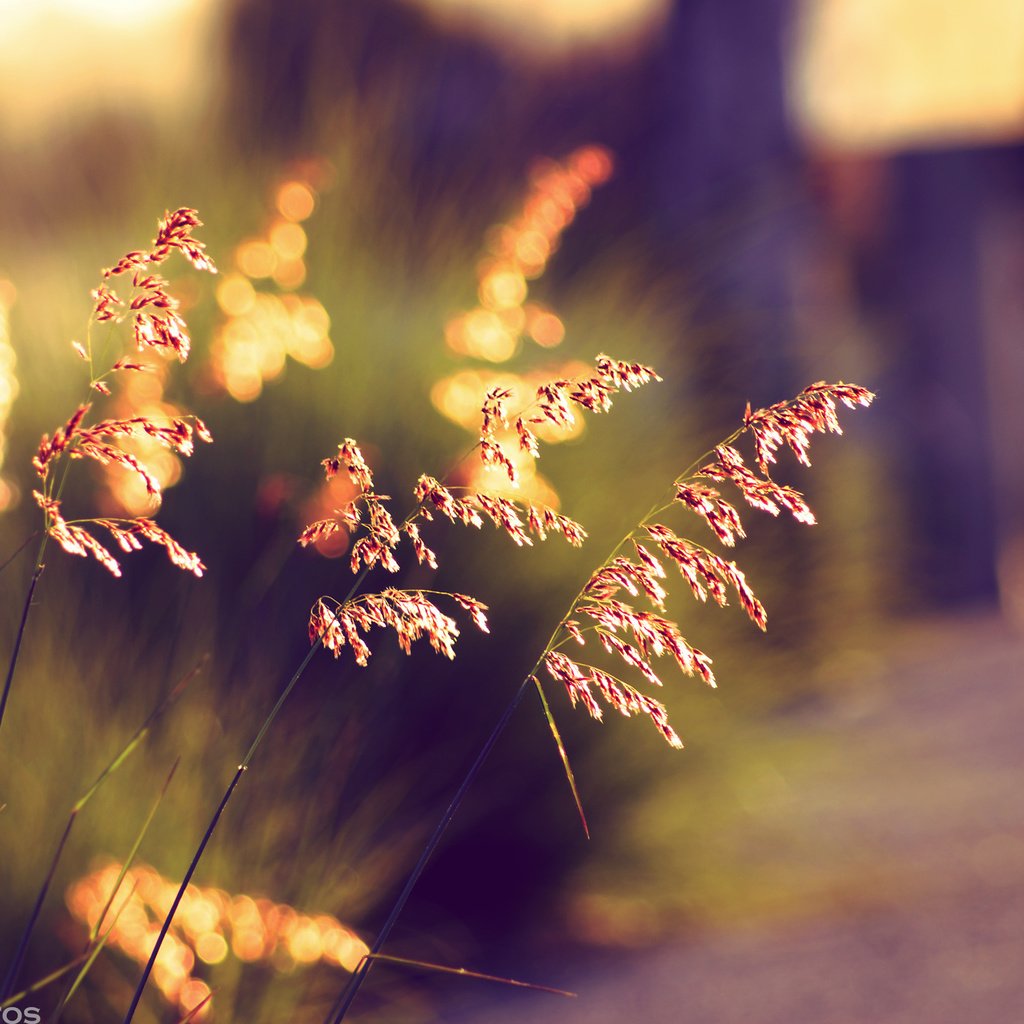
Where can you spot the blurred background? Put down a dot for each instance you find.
(410, 201)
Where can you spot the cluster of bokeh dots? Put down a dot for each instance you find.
(518, 252)
(492, 333)
(209, 926)
(262, 328)
(8, 387)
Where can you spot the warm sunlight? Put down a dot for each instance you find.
(50, 48)
(881, 74)
(539, 26)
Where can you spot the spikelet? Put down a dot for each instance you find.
(76, 540)
(155, 325)
(553, 403)
(410, 613)
(516, 519)
(382, 537)
(792, 423)
(174, 231)
(638, 637)
(760, 493)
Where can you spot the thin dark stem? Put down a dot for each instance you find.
(18, 550)
(341, 1006)
(17, 640)
(140, 733)
(285, 693)
(207, 835)
(181, 891)
(19, 953)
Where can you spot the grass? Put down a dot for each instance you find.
(352, 765)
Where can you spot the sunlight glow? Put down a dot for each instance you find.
(546, 27)
(141, 394)
(58, 57)
(518, 252)
(493, 332)
(884, 74)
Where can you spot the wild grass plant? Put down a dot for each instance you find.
(618, 617)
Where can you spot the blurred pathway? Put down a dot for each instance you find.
(928, 800)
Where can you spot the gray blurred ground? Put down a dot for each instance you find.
(923, 812)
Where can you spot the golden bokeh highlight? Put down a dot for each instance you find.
(518, 252)
(209, 926)
(236, 295)
(256, 259)
(288, 240)
(8, 386)
(295, 200)
(262, 329)
(324, 504)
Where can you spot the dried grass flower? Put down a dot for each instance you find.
(156, 325)
(635, 636)
(410, 613)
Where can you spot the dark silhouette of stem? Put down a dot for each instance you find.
(19, 953)
(181, 891)
(18, 550)
(137, 738)
(208, 834)
(344, 1001)
(17, 640)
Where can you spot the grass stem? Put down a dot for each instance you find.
(20, 636)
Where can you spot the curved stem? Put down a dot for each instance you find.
(19, 954)
(340, 1008)
(261, 733)
(181, 891)
(18, 550)
(211, 827)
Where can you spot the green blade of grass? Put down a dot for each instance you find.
(133, 743)
(23, 623)
(18, 550)
(48, 979)
(563, 754)
(143, 731)
(98, 944)
(89, 956)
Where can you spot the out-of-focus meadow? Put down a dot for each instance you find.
(409, 203)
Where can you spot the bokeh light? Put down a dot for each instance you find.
(324, 503)
(262, 329)
(518, 252)
(543, 28)
(209, 926)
